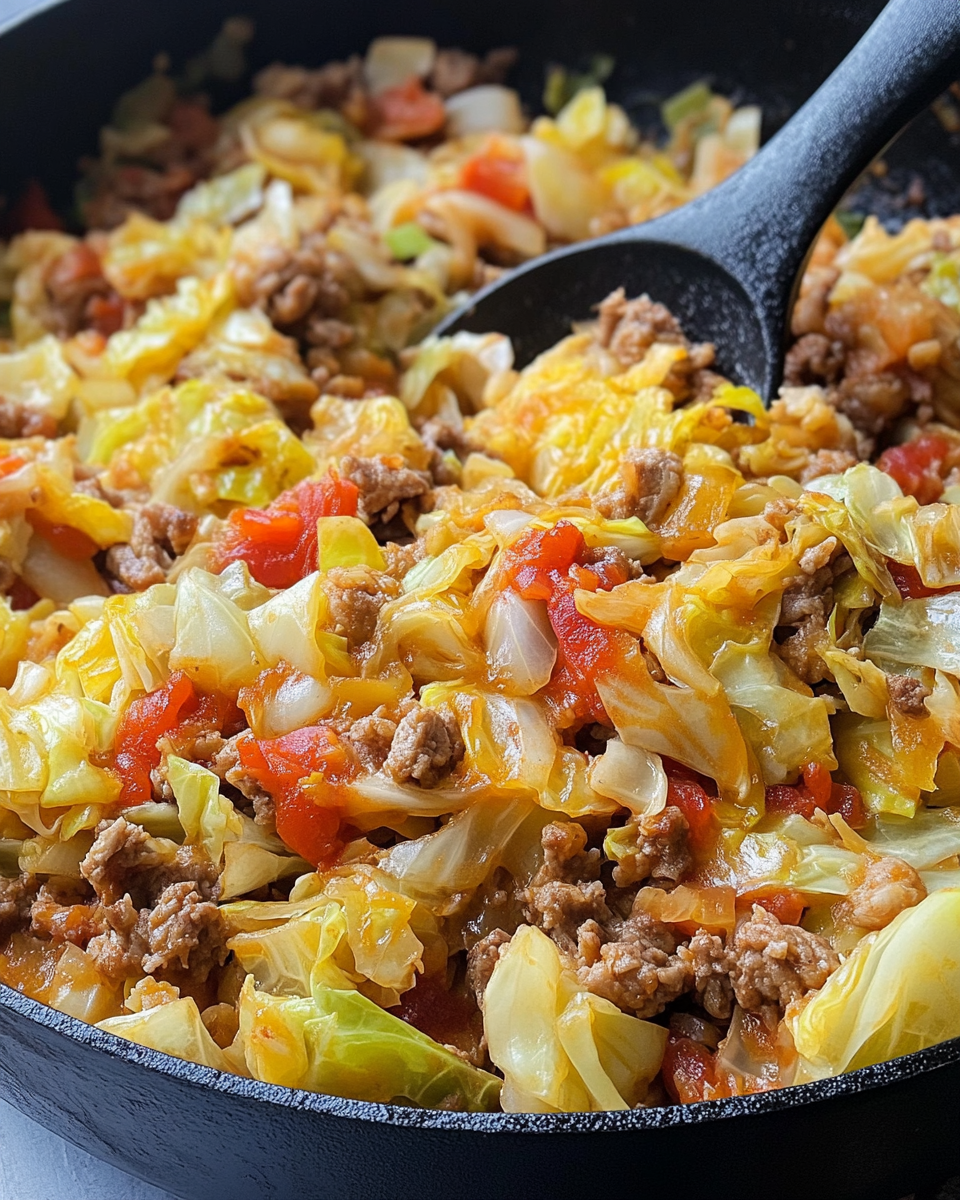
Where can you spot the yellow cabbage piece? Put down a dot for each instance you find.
(899, 991)
(212, 641)
(342, 1043)
(146, 258)
(38, 378)
(173, 1028)
(171, 327)
(208, 818)
(560, 1048)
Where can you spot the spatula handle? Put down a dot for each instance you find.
(761, 222)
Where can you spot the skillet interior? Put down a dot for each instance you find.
(877, 1133)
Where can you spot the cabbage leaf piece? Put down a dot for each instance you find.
(174, 1028)
(341, 1043)
(560, 1048)
(899, 991)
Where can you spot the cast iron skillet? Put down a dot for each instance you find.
(872, 1135)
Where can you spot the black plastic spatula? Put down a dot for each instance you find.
(728, 263)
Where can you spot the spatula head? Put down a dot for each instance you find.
(536, 304)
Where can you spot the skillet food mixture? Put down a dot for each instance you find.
(392, 723)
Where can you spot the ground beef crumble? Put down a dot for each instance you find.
(649, 481)
(155, 909)
(425, 748)
(161, 532)
(908, 695)
(662, 852)
(384, 483)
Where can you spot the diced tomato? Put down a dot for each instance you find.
(10, 464)
(499, 172)
(279, 543)
(688, 1069)
(75, 265)
(141, 726)
(696, 806)
(21, 595)
(910, 585)
(71, 543)
(407, 112)
(550, 565)
(786, 905)
(279, 765)
(105, 313)
(31, 210)
(918, 466)
(817, 790)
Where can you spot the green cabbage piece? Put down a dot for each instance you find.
(899, 991)
(208, 819)
(343, 1044)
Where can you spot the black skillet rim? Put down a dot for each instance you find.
(908, 1066)
(921, 1062)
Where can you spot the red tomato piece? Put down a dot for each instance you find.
(11, 464)
(105, 313)
(847, 801)
(407, 112)
(279, 765)
(917, 466)
(697, 807)
(141, 726)
(787, 905)
(688, 1069)
(499, 172)
(66, 540)
(817, 790)
(279, 543)
(550, 565)
(909, 584)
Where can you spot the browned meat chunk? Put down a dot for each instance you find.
(628, 328)
(772, 965)
(650, 481)
(426, 747)
(118, 951)
(161, 532)
(184, 930)
(827, 462)
(662, 849)
(384, 483)
(814, 359)
(707, 956)
(295, 286)
(871, 401)
(16, 897)
(455, 70)
(908, 695)
(888, 887)
(371, 738)
(121, 850)
(482, 958)
(125, 860)
(226, 765)
(566, 891)
(634, 963)
(355, 596)
(804, 610)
